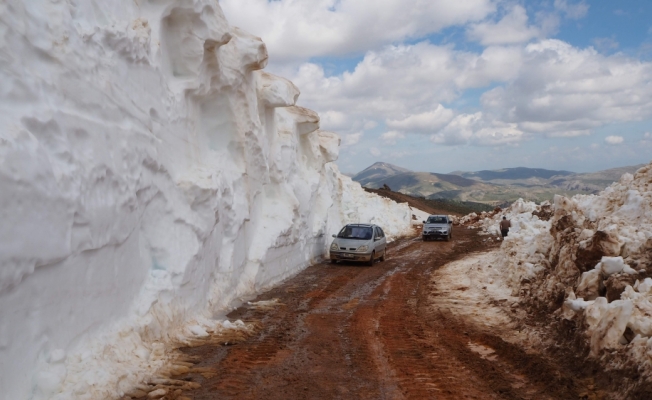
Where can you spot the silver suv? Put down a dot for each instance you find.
(359, 242)
(437, 226)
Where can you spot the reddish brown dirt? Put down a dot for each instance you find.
(351, 331)
(415, 202)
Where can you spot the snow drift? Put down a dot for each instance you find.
(150, 175)
(588, 259)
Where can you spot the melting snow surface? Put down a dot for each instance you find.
(151, 174)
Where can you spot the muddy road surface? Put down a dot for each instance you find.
(348, 331)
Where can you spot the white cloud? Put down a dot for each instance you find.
(547, 88)
(565, 91)
(302, 29)
(513, 28)
(572, 11)
(333, 120)
(614, 140)
(479, 130)
(391, 137)
(459, 131)
(400, 154)
(400, 84)
(605, 44)
(429, 121)
(352, 138)
(375, 151)
(369, 125)
(647, 138)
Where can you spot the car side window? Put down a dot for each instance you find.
(380, 232)
(376, 233)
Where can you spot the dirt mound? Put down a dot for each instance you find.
(431, 206)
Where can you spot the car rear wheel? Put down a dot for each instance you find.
(382, 258)
(371, 260)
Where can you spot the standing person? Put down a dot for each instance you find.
(504, 226)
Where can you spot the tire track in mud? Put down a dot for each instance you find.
(349, 331)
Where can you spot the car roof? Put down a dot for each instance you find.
(365, 225)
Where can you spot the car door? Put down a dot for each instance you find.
(377, 246)
(382, 242)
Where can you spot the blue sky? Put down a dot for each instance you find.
(481, 84)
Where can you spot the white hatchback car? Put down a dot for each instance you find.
(359, 242)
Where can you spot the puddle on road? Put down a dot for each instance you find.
(485, 352)
(265, 305)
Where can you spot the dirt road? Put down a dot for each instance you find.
(352, 331)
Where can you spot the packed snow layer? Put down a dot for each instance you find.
(150, 175)
(587, 258)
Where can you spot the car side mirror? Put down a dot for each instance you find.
(423, 222)
(450, 222)
(334, 235)
(376, 239)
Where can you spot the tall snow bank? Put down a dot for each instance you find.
(591, 261)
(150, 175)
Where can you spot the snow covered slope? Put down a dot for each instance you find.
(589, 259)
(150, 175)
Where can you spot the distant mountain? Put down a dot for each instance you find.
(425, 184)
(377, 172)
(513, 174)
(592, 181)
(489, 186)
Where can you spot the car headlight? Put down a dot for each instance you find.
(363, 248)
(334, 246)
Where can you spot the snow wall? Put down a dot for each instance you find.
(151, 175)
(587, 259)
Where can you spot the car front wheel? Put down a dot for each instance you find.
(371, 260)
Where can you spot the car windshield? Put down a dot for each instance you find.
(356, 232)
(437, 220)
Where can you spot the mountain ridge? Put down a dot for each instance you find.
(489, 186)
